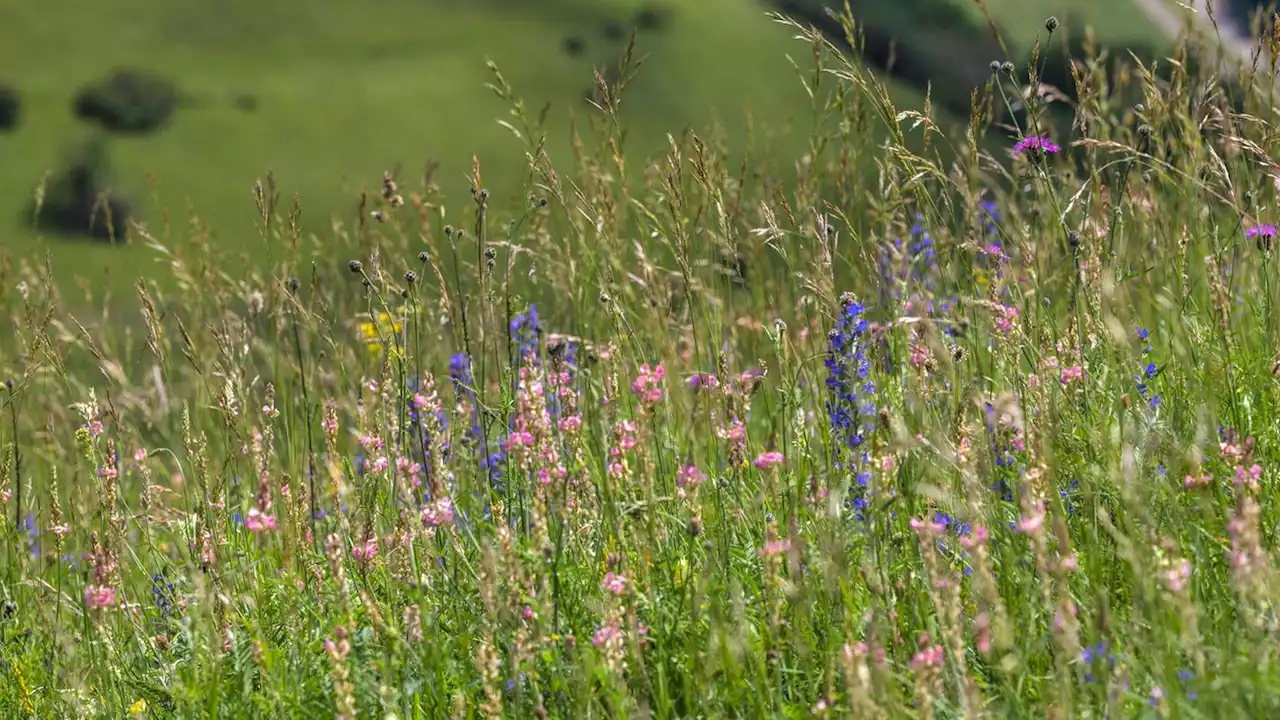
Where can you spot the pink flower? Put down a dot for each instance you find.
(769, 460)
(1249, 476)
(95, 427)
(106, 472)
(688, 476)
(1071, 374)
(1177, 577)
(380, 464)
(606, 635)
(366, 551)
(140, 455)
(438, 513)
(1033, 522)
(1006, 316)
(371, 443)
(703, 381)
(775, 547)
(257, 521)
(60, 530)
(614, 583)
(927, 657)
(1194, 481)
(99, 596)
(571, 424)
(927, 527)
(648, 384)
(976, 537)
(919, 355)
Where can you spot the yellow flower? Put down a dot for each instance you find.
(138, 708)
(368, 332)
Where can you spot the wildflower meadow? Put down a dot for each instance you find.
(928, 422)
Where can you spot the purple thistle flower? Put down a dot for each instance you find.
(1035, 145)
(1265, 230)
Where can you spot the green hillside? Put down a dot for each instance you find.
(345, 91)
(329, 95)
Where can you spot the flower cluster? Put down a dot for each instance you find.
(1148, 372)
(850, 406)
(526, 332)
(1035, 146)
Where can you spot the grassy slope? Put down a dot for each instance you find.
(1114, 22)
(346, 92)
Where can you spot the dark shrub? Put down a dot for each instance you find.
(653, 17)
(128, 101)
(246, 102)
(78, 200)
(614, 32)
(10, 108)
(574, 46)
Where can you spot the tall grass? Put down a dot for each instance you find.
(986, 437)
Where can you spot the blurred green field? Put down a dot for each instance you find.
(346, 90)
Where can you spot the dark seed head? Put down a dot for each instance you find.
(490, 253)
(1051, 23)
(448, 230)
(423, 257)
(294, 285)
(1144, 131)
(995, 66)
(411, 277)
(355, 266)
(542, 202)
(1006, 67)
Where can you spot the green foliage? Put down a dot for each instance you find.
(128, 101)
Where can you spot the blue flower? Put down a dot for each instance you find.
(525, 331)
(850, 406)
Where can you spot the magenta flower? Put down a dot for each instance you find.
(365, 552)
(1265, 230)
(258, 521)
(1072, 374)
(647, 386)
(703, 381)
(614, 583)
(769, 460)
(1035, 146)
(99, 596)
(438, 513)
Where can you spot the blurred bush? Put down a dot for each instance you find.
(79, 201)
(128, 101)
(10, 108)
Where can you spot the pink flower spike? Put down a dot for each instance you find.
(257, 521)
(1072, 374)
(769, 460)
(1033, 522)
(614, 583)
(99, 596)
